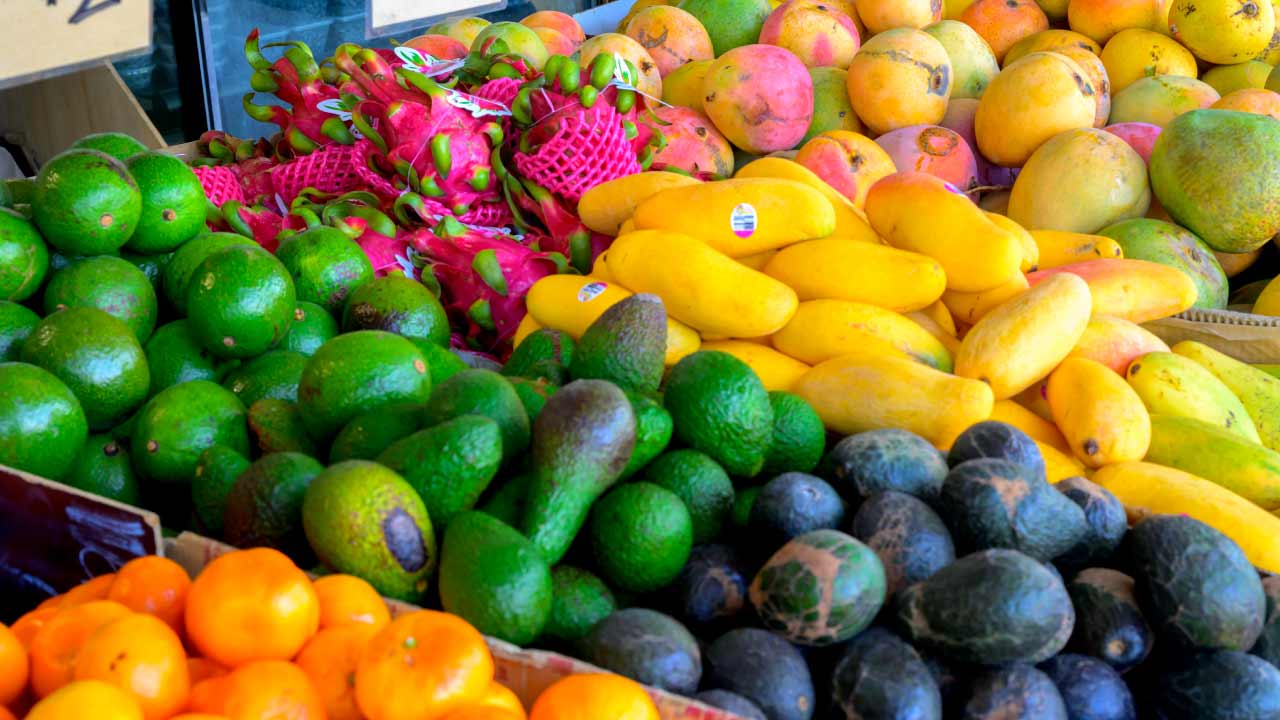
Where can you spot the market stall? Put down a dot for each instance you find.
(712, 359)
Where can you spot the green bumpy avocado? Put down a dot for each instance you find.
(216, 471)
(98, 357)
(326, 266)
(799, 437)
(449, 465)
(179, 423)
(360, 372)
(240, 302)
(264, 507)
(102, 467)
(175, 356)
(579, 600)
(366, 436)
(16, 324)
(311, 328)
(483, 392)
(86, 203)
(365, 520)
(398, 305)
(24, 258)
(494, 578)
(653, 431)
(178, 271)
(173, 203)
(544, 354)
(721, 408)
(273, 374)
(117, 145)
(703, 486)
(626, 345)
(110, 284)
(641, 536)
(276, 426)
(42, 426)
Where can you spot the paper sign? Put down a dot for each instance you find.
(387, 16)
(54, 537)
(39, 38)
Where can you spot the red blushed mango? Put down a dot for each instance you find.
(618, 45)
(1158, 100)
(556, 42)
(1002, 23)
(760, 97)
(849, 162)
(934, 150)
(1251, 100)
(1140, 136)
(1116, 343)
(672, 36)
(438, 46)
(818, 34)
(900, 78)
(693, 143)
(558, 21)
(959, 118)
(1100, 19)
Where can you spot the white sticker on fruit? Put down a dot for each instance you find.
(336, 106)
(591, 291)
(423, 64)
(471, 104)
(743, 220)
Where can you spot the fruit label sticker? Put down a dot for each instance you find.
(591, 291)
(743, 220)
(423, 64)
(336, 106)
(478, 107)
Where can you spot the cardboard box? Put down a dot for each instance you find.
(1244, 336)
(526, 672)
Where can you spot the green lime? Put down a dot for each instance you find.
(701, 483)
(16, 324)
(720, 407)
(179, 423)
(799, 438)
(173, 203)
(42, 426)
(102, 467)
(175, 357)
(177, 272)
(399, 305)
(86, 203)
(24, 258)
(579, 600)
(273, 374)
(240, 302)
(98, 357)
(109, 284)
(326, 266)
(311, 328)
(117, 145)
(357, 373)
(641, 536)
(216, 471)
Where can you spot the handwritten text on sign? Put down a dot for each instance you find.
(43, 36)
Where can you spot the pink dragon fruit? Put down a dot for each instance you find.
(484, 276)
(312, 119)
(220, 183)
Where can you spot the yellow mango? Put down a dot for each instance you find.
(1172, 385)
(838, 269)
(1022, 340)
(971, 307)
(939, 313)
(600, 268)
(1243, 467)
(851, 222)
(742, 216)
(1059, 465)
(1258, 391)
(1102, 418)
(759, 260)
(1135, 290)
(1039, 429)
(867, 391)
(701, 286)
(915, 211)
(948, 340)
(1036, 399)
(776, 371)
(1058, 248)
(606, 206)
(628, 225)
(1116, 343)
(1268, 302)
(570, 303)
(1149, 489)
(527, 327)
(1030, 251)
(823, 329)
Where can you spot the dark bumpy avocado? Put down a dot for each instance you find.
(648, 647)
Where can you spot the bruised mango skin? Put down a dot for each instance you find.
(760, 97)
(869, 390)
(1030, 102)
(849, 162)
(1102, 418)
(1172, 385)
(701, 286)
(908, 209)
(900, 77)
(933, 149)
(672, 36)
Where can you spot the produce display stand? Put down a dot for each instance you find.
(1244, 336)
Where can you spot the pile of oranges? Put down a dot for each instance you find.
(253, 638)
